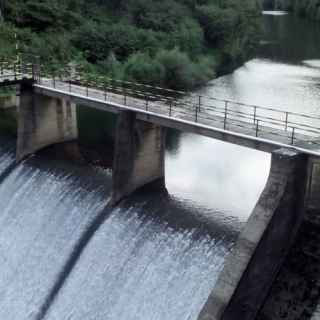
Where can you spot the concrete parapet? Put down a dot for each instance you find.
(139, 156)
(43, 121)
(262, 246)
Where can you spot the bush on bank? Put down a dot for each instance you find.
(179, 44)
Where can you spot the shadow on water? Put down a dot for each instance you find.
(160, 208)
(289, 39)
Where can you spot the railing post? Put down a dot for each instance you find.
(15, 71)
(170, 108)
(199, 103)
(286, 123)
(87, 89)
(292, 136)
(33, 71)
(196, 113)
(105, 92)
(257, 128)
(54, 81)
(147, 104)
(255, 115)
(225, 115)
(125, 97)
(40, 74)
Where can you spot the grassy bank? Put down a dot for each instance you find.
(179, 44)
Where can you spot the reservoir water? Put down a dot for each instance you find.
(65, 255)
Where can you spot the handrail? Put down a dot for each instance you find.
(224, 112)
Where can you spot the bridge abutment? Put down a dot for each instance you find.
(252, 266)
(43, 121)
(139, 158)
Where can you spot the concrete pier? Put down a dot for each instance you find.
(259, 253)
(43, 121)
(139, 156)
(9, 102)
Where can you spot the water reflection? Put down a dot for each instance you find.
(290, 39)
(285, 74)
(217, 175)
(271, 84)
(275, 13)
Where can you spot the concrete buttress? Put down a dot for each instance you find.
(252, 266)
(43, 121)
(139, 156)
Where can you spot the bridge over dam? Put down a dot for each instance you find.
(47, 115)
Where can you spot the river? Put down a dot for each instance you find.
(64, 254)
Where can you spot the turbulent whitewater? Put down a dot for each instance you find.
(64, 254)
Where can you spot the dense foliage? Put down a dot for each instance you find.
(173, 43)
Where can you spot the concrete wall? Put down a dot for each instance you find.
(43, 121)
(9, 102)
(262, 246)
(139, 156)
(295, 292)
(294, 295)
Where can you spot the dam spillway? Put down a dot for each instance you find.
(65, 254)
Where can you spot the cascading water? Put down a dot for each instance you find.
(6, 157)
(64, 254)
(139, 268)
(44, 214)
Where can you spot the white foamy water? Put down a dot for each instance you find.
(42, 217)
(138, 268)
(6, 156)
(64, 255)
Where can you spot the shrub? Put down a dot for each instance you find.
(181, 72)
(141, 68)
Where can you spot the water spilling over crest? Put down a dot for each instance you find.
(65, 255)
(7, 158)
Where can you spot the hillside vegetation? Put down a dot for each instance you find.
(179, 44)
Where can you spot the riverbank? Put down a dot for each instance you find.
(173, 43)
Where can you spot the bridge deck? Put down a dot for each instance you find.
(253, 126)
(193, 117)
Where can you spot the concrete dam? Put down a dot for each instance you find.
(227, 231)
(277, 227)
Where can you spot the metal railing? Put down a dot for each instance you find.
(16, 70)
(261, 122)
